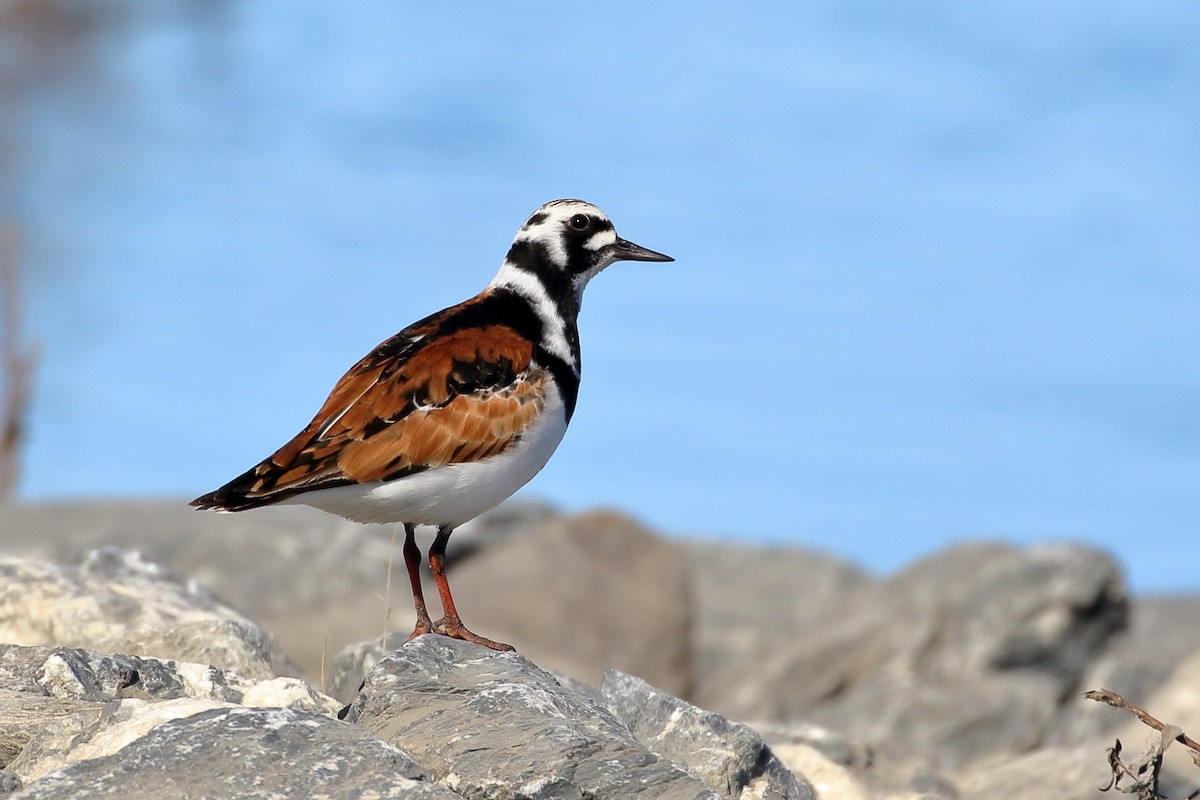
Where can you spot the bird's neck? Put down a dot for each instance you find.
(550, 293)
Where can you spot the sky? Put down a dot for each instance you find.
(937, 264)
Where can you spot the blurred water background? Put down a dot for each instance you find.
(937, 263)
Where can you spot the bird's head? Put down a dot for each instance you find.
(566, 243)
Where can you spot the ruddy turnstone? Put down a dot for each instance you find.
(456, 412)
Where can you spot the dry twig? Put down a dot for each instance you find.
(18, 361)
(1144, 770)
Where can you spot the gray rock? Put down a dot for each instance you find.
(730, 757)
(243, 753)
(66, 690)
(117, 600)
(9, 782)
(747, 601)
(98, 677)
(1059, 773)
(1052, 608)
(969, 652)
(1162, 634)
(231, 645)
(352, 664)
(23, 714)
(988, 643)
(834, 746)
(52, 698)
(827, 778)
(844, 770)
(948, 723)
(585, 593)
(504, 522)
(100, 730)
(314, 580)
(493, 725)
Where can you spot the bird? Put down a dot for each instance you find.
(453, 414)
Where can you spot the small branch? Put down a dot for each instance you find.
(1116, 701)
(18, 362)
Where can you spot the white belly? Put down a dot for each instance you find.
(454, 493)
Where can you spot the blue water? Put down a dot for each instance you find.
(938, 265)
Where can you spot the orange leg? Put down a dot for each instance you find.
(450, 625)
(412, 560)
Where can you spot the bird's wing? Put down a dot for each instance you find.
(414, 403)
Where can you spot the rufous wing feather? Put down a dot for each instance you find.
(406, 407)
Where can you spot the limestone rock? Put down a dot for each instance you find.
(490, 724)
(238, 752)
(23, 714)
(87, 675)
(49, 697)
(98, 731)
(728, 756)
(117, 600)
(240, 647)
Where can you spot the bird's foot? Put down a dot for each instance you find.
(453, 627)
(424, 625)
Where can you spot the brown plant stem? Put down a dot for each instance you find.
(1115, 700)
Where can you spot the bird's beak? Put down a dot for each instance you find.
(628, 251)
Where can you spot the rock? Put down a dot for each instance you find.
(969, 652)
(829, 780)
(48, 696)
(504, 522)
(116, 600)
(584, 593)
(965, 663)
(87, 675)
(1162, 634)
(1051, 608)
(231, 645)
(237, 752)
(490, 724)
(313, 580)
(728, 756)
(1059, 773)
(22, 714)
(352, 664)
(99, 731)
(747, 599)
(9, 782)
(950, 722)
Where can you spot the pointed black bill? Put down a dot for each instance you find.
(628, 251)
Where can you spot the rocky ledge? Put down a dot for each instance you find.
(152, 652)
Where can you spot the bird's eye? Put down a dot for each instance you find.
(580, 222)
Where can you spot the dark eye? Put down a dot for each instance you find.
(580, 222)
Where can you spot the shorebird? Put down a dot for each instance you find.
(449, 417)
